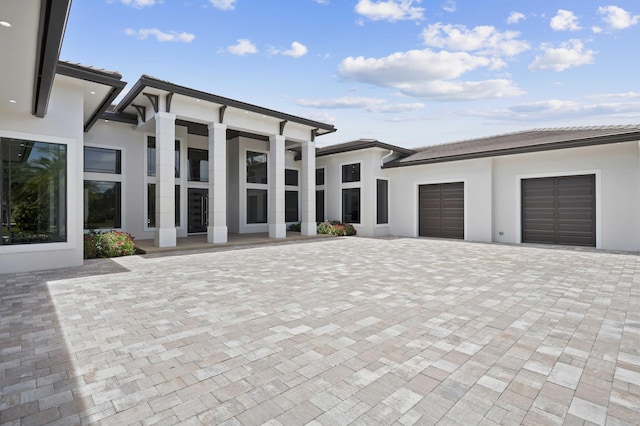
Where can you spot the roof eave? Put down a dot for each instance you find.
(53, 21)
(145, 81)
(603, 140)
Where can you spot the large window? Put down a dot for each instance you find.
(151, 205)
(33, 181)
(102, 160)
(320, 206)
(351, 173)
(198, 165)
(382, 201)
(351, 205)
(290, 206)
(151, 157)
(256, 206)
(256, 167)
(102, 205)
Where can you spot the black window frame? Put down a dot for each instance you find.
(260, 178)
(349, 194)
(115, 170)
(351, 173)
(382, 209)
(291, 177)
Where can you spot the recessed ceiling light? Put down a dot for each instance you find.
(12, 101)
(5, 24)
(92, 92)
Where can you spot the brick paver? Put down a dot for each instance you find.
(339, 331)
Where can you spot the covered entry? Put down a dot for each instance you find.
(559, 210)
(441, 210)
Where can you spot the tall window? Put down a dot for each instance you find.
(102, 188)
(382, 201)
(351, 205)
(320, 195)
(291, 213)
(198, 165)
(256, 167)
(351, 173)
(33, 181)
(256, 205)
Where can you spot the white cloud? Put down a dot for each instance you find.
(322, 1)
(161, 36)
(390, 10)
(617, 18)
(297, 50)
(425, 74)
(223, 4)
(515, 17)
(450, 6)
(354, 102)
(486, 40)
(596, 29)
(568, 54)
(565, 20)
(138, 3)
(242, 47)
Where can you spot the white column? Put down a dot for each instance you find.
(277, 225)
(217, 229)
(308, 189)
(165, 235)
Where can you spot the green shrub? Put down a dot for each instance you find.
(295, 227)
(336, 228)
(108, 244)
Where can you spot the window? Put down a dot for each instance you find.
(151, 205)
(319, 177)
(102, 205)
(320, 206)
(198, 165)
(151, 157)
(351, 205)
(351, 173)
(33, 181)
(291, 177)
(256, 167)
(290, 206)
(102, 160)
(382, 201)
(256, 206)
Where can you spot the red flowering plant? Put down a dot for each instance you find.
(336, 228)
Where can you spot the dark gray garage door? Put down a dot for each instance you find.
(559, 210)
(442, 210)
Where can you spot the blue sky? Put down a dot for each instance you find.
(409, 73)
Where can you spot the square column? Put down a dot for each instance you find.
(165, 235)
(277, 225)
(217, 229)
(308, 189)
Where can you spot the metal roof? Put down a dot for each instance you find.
(520, 142)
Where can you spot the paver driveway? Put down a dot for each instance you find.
(351, 330)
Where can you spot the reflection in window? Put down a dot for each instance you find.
(256, 167)
(351, 173)
(351, 205)
(102, 205)
(33, 195)
(256, 206)
(102, 160)
(198, 165)
(319, 206)
(290, 206)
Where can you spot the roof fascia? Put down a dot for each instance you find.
(197, 94)
(121, 117)
(51, 28)
(601, 140)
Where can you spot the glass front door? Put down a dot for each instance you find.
(198, 210)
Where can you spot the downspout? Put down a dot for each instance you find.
(383, 158)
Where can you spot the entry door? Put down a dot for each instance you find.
(559, 210)
(198, 210)
(442, 210)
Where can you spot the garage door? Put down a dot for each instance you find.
(442, 210)
(559, 210)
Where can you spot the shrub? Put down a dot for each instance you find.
(108, 244)
(336, 228)
(295, 227)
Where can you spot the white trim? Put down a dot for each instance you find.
(416, 209)
(518, 209)
(108, 177)
(71, 197)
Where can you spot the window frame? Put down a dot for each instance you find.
(322, 187)
(342, 174)
(378, 223)
(108, 177)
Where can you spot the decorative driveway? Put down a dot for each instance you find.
(332, 332)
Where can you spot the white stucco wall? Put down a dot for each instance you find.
(616, 167)
(62, 124)
(403, 192)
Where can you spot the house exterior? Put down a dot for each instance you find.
(168, 161)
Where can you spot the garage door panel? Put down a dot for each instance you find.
(559, 210)
(441, 210)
